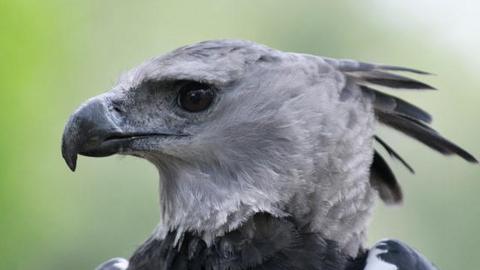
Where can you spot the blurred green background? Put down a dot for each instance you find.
(56, 54)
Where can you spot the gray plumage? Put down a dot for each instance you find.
(286, 135)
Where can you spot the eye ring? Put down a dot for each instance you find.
(195, 96)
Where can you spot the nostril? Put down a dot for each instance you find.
(116, 107)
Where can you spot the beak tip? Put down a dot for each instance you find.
(71, 162)
(72, 166)
(70, 157)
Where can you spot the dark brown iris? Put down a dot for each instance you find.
(195, 97)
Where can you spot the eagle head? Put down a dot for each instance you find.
(236, 128)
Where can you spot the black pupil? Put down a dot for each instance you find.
(195, 97)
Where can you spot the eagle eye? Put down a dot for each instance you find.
(195, 97)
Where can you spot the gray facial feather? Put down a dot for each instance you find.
(279, 140)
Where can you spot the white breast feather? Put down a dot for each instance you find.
(374, 262)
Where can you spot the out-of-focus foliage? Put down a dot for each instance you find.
(56, 54)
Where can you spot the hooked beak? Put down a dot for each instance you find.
(94, 131)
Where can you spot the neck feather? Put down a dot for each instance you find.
(261, 242)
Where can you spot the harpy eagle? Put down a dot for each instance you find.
(266, 158)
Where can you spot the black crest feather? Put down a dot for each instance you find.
(384, 181)
(398, 114)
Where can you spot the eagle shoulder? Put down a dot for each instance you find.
(114, 264)
(395, 255)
